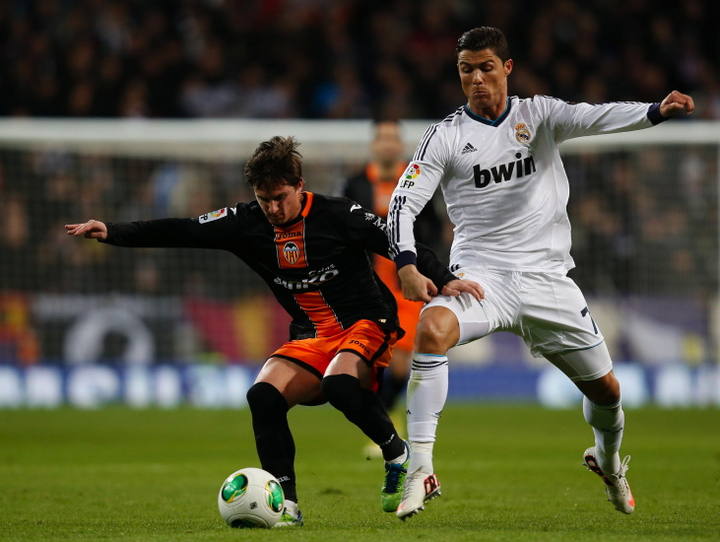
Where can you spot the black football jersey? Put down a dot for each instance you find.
(317, 265)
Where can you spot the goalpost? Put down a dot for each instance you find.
(644, 207)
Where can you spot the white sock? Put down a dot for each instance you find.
(608, 422)
(421, 454)
(426, 395)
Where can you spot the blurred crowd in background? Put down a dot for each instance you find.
(339, 58)
(645, 224)
(45, 190)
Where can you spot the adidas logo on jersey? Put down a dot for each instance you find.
(468, 148)
(504, 172)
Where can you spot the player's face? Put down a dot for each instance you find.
(280, 203)
(483, 77)
(387, 146)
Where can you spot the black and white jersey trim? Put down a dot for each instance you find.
(430, 132)
(454, 114)
(422, 148)
(394, 223)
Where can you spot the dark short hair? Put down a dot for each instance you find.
(384, 120)
(275, 162)
(484, 37)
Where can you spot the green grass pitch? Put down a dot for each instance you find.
(508, 473)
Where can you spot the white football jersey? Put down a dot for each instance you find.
(503, 181)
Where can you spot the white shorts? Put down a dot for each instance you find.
(547, 310)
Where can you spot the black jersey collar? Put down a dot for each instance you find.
(485, 120)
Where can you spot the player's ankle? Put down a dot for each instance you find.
(421, 454)
(610, 464)
(402, 458)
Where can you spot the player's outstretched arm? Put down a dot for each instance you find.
(218, 229)
(92, 229)
(677, 104)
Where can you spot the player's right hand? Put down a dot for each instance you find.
(92, 229)
(416, 286)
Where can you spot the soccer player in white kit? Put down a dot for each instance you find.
(497, 162)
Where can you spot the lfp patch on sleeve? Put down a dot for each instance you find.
(214, 215)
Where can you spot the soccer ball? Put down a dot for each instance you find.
(251, 498)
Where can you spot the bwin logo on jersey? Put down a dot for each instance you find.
(504, 172)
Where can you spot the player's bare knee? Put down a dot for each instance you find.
(436, 333)
(429, 337)
(612, 390)
(604, 391)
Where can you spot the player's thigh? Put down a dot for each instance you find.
(349, 363)
(555, 317)
(450, 320)
(584, 366)
(363, 352)
(297, 384)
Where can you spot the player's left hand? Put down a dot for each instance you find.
(677, 104)
(456, 287)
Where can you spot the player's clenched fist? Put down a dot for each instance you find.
(677, 104)
(92, 229)
(416, 286)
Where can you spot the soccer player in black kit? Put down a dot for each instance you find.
(312, 251)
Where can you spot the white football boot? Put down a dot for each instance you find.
(291, 516)
(419, 487)
(616, 485)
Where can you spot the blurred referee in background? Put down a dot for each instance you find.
(372, 188)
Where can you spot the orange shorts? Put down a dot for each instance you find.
(408, 314)
(364, 338)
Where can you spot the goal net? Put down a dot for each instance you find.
(644, 209)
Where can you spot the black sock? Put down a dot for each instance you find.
(364, 408)
(392, 389)
(273, 439)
